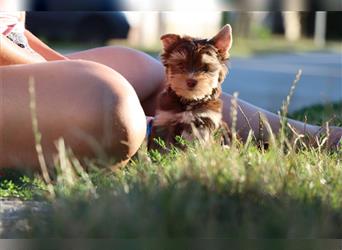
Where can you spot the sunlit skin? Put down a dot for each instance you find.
(98, 98)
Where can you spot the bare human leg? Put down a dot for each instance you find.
(88, 104)
(142, 71)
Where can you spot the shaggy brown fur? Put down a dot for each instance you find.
(190, 106)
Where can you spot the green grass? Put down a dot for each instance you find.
(240, 192)
(15, 184)
(319, 114)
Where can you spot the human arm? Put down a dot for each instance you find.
(40, 47)
(10, 53)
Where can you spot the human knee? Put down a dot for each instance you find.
(122, 117)
(131, 121)
(89, 105)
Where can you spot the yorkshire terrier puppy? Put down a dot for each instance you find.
(190, 106)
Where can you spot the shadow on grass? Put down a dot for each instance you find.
(192, 211)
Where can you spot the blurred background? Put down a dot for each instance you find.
(269, 46)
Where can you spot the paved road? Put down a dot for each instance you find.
(265, 80)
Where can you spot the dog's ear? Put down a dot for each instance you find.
(168, 40)
(223, 40)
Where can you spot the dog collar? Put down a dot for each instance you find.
(192, 103)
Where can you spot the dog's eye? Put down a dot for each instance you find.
(180, 67)
(205, 68)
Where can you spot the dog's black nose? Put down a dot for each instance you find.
(191, 82)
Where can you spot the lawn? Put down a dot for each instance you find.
(240, 192)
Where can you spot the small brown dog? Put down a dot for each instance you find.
(190, 107)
